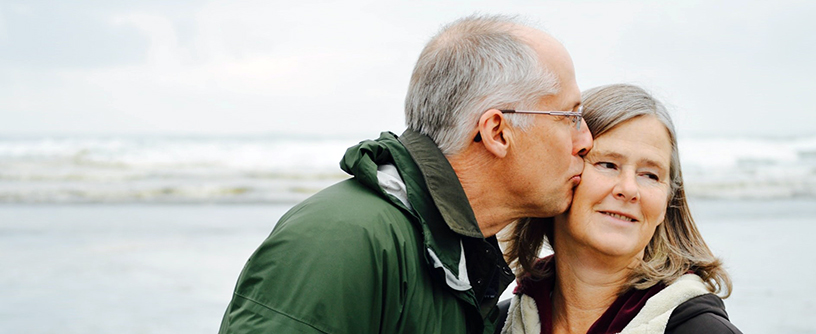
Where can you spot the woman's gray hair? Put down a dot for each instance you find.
(677, 247)
(472, 65)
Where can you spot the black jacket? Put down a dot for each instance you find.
(701, 314)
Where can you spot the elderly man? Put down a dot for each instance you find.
(408, 244)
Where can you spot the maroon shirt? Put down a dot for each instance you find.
(613, 320)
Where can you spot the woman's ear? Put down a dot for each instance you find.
(493, 130)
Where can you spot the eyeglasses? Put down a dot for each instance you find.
(575, 116)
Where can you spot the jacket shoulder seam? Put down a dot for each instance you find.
(723, 321)
(253, 301)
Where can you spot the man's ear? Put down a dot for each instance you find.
(493, 129)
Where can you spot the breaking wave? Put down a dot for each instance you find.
(273, 169)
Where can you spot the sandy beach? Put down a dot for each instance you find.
(170, 268)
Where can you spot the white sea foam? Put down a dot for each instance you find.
(268, 169)
(162, 169)
(749, 168)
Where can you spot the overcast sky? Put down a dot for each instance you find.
(342, 67)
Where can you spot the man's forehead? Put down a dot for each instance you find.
(553, 56)
(567, 98)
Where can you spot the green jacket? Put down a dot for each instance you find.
(354, 258)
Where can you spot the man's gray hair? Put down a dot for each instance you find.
(472, 65)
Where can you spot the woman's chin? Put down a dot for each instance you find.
(616, 248)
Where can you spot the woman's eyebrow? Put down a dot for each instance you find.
(607, 154)
(619, 156)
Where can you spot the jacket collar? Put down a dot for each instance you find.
(449, 230)
(443, 184)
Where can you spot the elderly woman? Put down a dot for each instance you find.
(628, 257)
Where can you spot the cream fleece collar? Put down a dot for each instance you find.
(523, 317)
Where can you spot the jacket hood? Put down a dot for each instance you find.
(424, 170)
(362, 160)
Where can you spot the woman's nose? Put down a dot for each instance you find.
(626, 188)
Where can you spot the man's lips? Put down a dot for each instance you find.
(575, 179)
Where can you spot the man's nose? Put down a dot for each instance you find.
(581, 140)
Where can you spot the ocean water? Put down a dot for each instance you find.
(171, 268)
(149, 234)
(156, 169)
(124, 268)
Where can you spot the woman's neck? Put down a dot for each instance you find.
(584, 290)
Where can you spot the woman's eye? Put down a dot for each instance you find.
(652, 176)
(607, 165)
